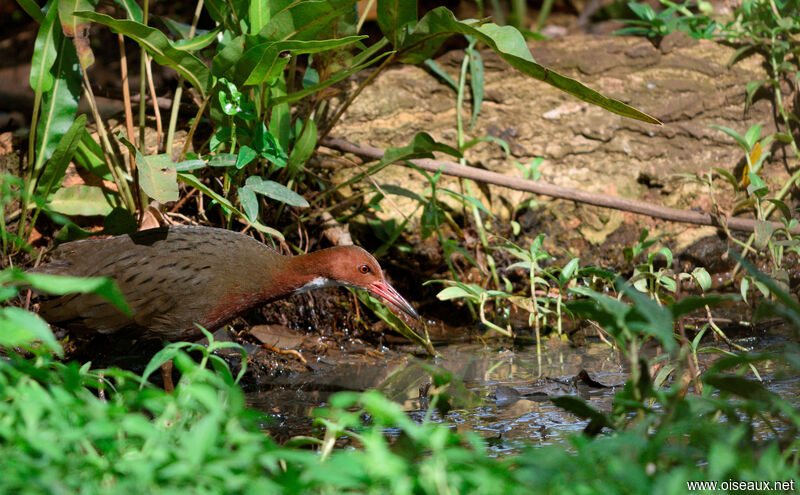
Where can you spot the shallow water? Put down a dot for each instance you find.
(512, 386)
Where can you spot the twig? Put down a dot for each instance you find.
(545, 189)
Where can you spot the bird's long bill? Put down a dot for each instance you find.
(388, 293)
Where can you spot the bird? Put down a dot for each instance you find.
(177, 277)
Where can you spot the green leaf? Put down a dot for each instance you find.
(245, 156)
(90, 156)
(303, 146)
(275, 191)
(157, 176)
(785, 211)
(401, 191)
(444, 76)
(335, 78)
(258, 14)
(449, 293)
(740, 140)
(58, 285)
(81, 200)
(78, 30)
(702, 277)
(132, 9)
(306, 20)
(578, 407)
(222, 160)
(33, 9)
(752, 135)
(157, 45)
(23, 328)
(566, 273)
(189, 165)
(264, 62)
(192, 181)
(60, 103)
(757, 186)
(438, 24)
(53, 173)
(422, 146)
(198, 42)
(393, 17)
(763, 232)
(728, 176)
(226, 57)
(44, 52)
(249, 201)
(475, 83)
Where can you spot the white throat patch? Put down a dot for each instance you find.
(317, 283)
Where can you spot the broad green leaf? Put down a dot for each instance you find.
(225, 58)
(249, 201)
(44, 52)
(222, 160)
(23, 328)
(439, 24)
(132, 9)
(58, 285)
(245, 156)
(306, 20)
(393, 17)
(752, 135)
(60, 103)
(757, 186)
(81, 200)
(157, 176)
(702, 278)
(198, 42)
(259, 15)
(33, 9)
(303, 146)
(189, 165)
(90, 156)
(53, 173)
(77, 29)
(273, 190)
(763, 232)
(264, 62)
(280, 124)
(218, 10)
(157, 45)
(449, 293)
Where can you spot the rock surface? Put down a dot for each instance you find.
(683, 82)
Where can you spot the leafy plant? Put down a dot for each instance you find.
(675, 17)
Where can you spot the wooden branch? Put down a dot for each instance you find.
(545, 189)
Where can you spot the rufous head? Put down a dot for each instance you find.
(354, 267)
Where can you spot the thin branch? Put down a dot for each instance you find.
(545, 189)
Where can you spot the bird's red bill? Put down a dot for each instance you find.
(388, 293)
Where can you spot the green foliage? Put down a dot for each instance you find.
(68, 428)
(675, 17)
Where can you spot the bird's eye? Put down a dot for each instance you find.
(363, 269)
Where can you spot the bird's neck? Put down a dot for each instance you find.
(302, 273)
